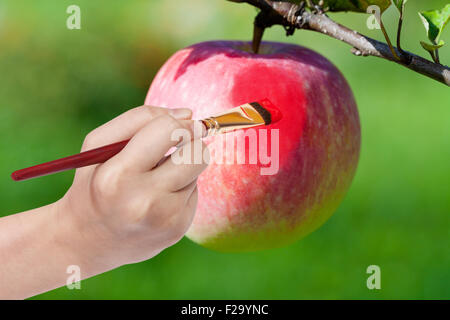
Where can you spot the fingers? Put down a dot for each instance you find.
(189, 188)
(181, 221)
(152, 142)
(182, 168)
(127, 124)
(191, 207)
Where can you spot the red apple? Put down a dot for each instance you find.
(240, 209)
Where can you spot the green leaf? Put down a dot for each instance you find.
(354, 5)
(432, 47)
(400, 4)
(435, 22)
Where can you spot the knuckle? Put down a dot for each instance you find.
(153, 212)
(140, 208)
(106, 183)
(149, 111)
(151, 205)
(170, 122)
(89, 140)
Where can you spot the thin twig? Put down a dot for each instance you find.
(389, 43)
(437, 56)
(399, 31)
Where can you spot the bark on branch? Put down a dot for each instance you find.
(291, 15)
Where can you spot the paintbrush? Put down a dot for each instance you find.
(245, 116)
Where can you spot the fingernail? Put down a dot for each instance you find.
(181, 113)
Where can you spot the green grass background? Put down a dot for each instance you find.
(58, 84)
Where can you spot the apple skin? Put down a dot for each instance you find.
(319, 140)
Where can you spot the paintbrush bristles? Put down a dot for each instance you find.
(262, 112)
(275, 113)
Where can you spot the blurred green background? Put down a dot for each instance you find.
(58, 84)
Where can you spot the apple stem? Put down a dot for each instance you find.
(258, 33)
(259, 25)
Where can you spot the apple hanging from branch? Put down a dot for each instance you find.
(239, 208)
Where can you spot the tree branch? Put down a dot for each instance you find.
(291, 15)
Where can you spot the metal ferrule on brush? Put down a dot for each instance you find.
(241, 117)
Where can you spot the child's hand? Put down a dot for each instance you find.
(127, 210)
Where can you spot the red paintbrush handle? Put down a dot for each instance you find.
(83, 159)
